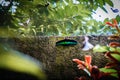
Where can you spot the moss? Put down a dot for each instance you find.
(57, 61)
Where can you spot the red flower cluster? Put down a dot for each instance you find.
(92, 71)
(84, 64)
(114, 24)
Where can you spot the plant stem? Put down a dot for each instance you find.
(117, 28)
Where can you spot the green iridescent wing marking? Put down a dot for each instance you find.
(66, 42)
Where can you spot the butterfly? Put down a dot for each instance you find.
(66, 42)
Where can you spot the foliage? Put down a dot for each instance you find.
(112, 51)
(52, 17)
(14, 64)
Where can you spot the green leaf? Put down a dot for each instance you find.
(112, 49)
(118, 18)
(74, 9)
(116, 56)
(60, 14)
(15, 61)
(118, 49)
(95, 7)
(104, 9)
(108, 70)
(68, 25)
(106, 20)
(101, 2)
(109, 2)
(99, 48)
(101, 26)
(67, 11)
(39, 1)
(78, 17)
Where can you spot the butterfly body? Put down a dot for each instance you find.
(66, 42)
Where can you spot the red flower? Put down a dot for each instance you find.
(114, 24)
(114, 44)
(84, 64)
(88, 60)
(81, 64)
(110, 24)
(92, 71)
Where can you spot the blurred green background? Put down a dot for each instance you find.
(52, 17)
